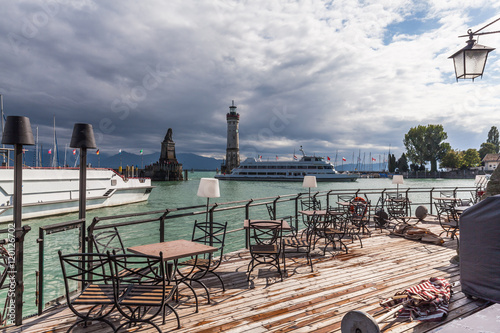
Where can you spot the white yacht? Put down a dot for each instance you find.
(52, 191)
(255, 169)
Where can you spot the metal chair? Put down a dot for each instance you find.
(356, 220)
(334, 232)
(208, 233)
(294, 242)
(448, 218)
(398, 209)
(265, 245)
(97, 292)
(146, 297)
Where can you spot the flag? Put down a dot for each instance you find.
(97, 152)
(260, 157)
(328, 158)
(294, 157)
(74, 151)
(276, 157)
(373, 159)
(140, 151)
(50, 151)
(344, 159)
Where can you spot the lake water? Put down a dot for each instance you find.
(174, 195)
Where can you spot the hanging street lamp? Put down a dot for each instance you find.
(470, 61)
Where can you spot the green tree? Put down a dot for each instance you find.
(425, 144)
(493, 137)
(470, 158)
(403, 163)
(391, 163)
(452, 159)
(487, 148)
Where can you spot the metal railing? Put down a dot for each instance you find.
(169, 224)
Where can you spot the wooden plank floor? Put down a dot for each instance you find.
(305, 301)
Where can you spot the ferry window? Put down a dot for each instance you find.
(252, 173)
(307, 159)
(312, 167)
(261, 173)
(320, 167)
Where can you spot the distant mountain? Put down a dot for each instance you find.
(189, 161)
(192, 161)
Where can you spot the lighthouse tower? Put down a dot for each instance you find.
(233, 139)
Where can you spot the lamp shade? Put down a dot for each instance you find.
(208, 188)
(397, 179)
(470, 61)
(309, 181)
(17, 130)
(83, 137)
(479, 179)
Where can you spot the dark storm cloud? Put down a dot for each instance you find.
(300, 72)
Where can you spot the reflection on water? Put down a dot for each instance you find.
(174, 195)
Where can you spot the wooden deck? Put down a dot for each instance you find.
(305, 301)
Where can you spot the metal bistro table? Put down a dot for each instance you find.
(173, 251)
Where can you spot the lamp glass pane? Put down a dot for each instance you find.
(459, 64)
(474, 62)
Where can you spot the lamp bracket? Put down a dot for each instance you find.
(470, 34)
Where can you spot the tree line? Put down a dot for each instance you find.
(426, 144)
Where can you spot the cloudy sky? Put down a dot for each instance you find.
(337, 77)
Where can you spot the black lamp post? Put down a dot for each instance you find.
(18, 132)
(83, 138)
(470, 61)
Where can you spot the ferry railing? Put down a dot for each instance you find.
(43, 232)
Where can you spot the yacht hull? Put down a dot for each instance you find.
(53, 191)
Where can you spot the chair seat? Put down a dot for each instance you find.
(295, 242)
(96, 294)
(264, 249)
(332, 231)
(149, 295)
(200, 262)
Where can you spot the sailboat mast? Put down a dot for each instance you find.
(54, 152)
(1, 108)
(36, 149)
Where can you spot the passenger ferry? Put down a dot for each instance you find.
(52, 191)
(255, 169)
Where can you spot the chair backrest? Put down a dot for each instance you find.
(357, 211)
(82, 269)
(108, 240)
(446, 194)
(265, 232)
(137, 269)
(203, 231)
(310, 204)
